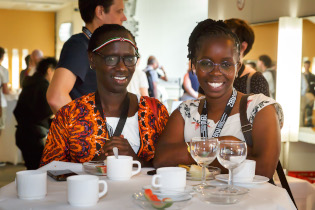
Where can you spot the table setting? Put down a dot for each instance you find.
(120, 183)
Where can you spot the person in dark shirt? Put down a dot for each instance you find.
(246, 75)
(33, 114)
(74, 77)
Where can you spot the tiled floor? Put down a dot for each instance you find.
(7, 173)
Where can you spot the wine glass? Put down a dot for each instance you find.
(231, 154)
(203, 150)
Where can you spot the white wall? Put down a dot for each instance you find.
(67, 14)
(164, 29)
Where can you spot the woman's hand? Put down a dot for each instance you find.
(121, 143)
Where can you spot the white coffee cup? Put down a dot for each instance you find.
(121, 168)
(245, 172)
(31, 184)
(83, 190)
(170, 179)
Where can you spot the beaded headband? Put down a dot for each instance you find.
(116, 39)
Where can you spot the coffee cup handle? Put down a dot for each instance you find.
(105, 188)
(138, 169)
(154, 184)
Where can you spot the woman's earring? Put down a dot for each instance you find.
(91, 67)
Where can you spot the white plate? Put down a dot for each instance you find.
(175, 196)
(141, 201)
(257, 179)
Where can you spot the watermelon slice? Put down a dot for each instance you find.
(101, 169)
(155, 201)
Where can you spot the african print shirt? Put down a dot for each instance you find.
(232, 127)
(77, 132)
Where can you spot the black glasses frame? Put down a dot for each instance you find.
(119, 57)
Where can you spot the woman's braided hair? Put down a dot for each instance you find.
(109, 31)
(209, 29)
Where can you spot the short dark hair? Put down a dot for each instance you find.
(307, 62)
(207, 29)
(2, 52)
(27, 60)
(266, 60)
(151, 60)
(45, 64)
(87, 8)
(109, 31)
(244, 32)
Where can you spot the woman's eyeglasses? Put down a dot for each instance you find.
(207, 65)
(113, 60)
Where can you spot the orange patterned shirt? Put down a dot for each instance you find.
(78, 130)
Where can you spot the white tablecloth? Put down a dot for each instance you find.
(302, 191)
(119, 195)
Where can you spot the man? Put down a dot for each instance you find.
(74, 77)
(36, 56)
(309, 96)
(4, 79)
(264, 63)
(309, 77)
(248, 80)
(139, 83)
(153, 76)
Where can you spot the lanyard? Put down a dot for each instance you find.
(87, 32)
(123, 115)
(225, 115)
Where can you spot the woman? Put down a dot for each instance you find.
(85, 129)
(33, 113)
(215, 52)
(190, 84)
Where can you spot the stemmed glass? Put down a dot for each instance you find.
(203, 150)
(231, 154)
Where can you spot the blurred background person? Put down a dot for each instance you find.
(153, 76)
(36, 56)
(309, 95)
(265, 65)
(248, 80)
(190, 84)
(139, 83)
(24, 73)
(33, 114)
(251, 65)
(74, 77)
(4, 79)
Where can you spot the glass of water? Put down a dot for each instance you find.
(204, 151)
(231, 154)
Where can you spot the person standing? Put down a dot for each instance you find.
(33, 113)
(4, 79)
(248, 80)
(309, 96)
(25, 73)
(139, 83)
(74, 77)
(264, 63)
(153, 76)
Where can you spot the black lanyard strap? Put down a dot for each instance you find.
(87, 32)
(204, 116)
(123, 115)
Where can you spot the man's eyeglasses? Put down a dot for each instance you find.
(225, 67)
(113, 60)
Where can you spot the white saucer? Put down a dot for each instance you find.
(257, 179)
(175, 196)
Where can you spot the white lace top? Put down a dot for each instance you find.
(232, 127)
